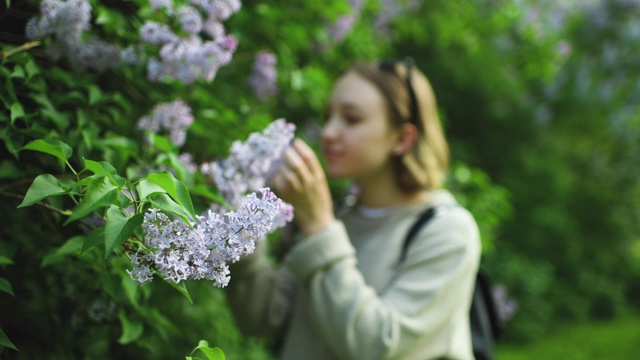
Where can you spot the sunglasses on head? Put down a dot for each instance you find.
(390, 66)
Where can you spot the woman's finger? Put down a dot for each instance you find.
(307, 155)
(292, 179)
(294, 162)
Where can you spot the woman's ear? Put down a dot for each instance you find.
(408, 137)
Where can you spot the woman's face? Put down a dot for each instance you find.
(357, 139)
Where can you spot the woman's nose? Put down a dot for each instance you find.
(329, 130)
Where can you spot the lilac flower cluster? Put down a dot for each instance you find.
(188, 57)
(65, 22)
(251, 163)
(178, 252)
(389, 11)
(505, 305)
(339, 30)
(174, 117)
(264, 75)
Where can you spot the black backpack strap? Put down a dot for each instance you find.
(485, 325)
(424, 218)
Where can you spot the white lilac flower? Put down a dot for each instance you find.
(213, 28)
(130, 56)
(174, 117)
(251, 163)
(339, 30)
(161, 4)
(157, 34)
(96, 55)
(190, 59)
(65, 21)
(218, 9)
(187, 160)
(264, 74)
(190, 19)
(178, 252)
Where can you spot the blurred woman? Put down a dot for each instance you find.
(342, 291)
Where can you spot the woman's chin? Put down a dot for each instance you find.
(336, 173)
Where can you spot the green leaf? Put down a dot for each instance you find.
(56, 148)
(131, 289)
(95, 237)
(211, 353)
(93, 166)
(72, 246)
(146, 188)
(175, 188)
(101, 192)
(131, 330)
(205, 192)
(4, 341)
(182, 288)
(5, 260)
(18, 72)
(43, 186)
(16, 111)
(95, 95)
(167, 205)
(9, 170)
(119, 228)
(5, 286)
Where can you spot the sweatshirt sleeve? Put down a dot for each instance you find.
(413, 313)
(260, 295)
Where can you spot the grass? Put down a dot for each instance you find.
(616, 340)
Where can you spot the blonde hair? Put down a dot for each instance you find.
(426, 166)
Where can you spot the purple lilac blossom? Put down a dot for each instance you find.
(506, 306)
(96, 55)
(157, 34)
(65, 21)
(190, 59)
(339, 30)
(130, 56)
(174, 117)
(178, 252)
(250, 163)
(218, 9)
(187, 160)
(190, 19)
(162, 4)
(264, 75)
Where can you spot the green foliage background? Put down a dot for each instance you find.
(543, 122)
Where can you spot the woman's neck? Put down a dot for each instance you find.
(384, 194)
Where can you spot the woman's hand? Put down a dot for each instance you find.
(301, 182)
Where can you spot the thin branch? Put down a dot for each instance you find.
(23, 47)
(47, 206)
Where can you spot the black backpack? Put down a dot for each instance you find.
(486, 326)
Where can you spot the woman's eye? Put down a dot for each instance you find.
(352, 119)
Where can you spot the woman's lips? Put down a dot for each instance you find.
(331, 154)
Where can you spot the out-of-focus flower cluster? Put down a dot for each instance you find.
(250, 164)
(506, 306)
(174, 117)
(196, 49)
(177, 252)
(65, 22)
(339, 29)
(264, 75)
